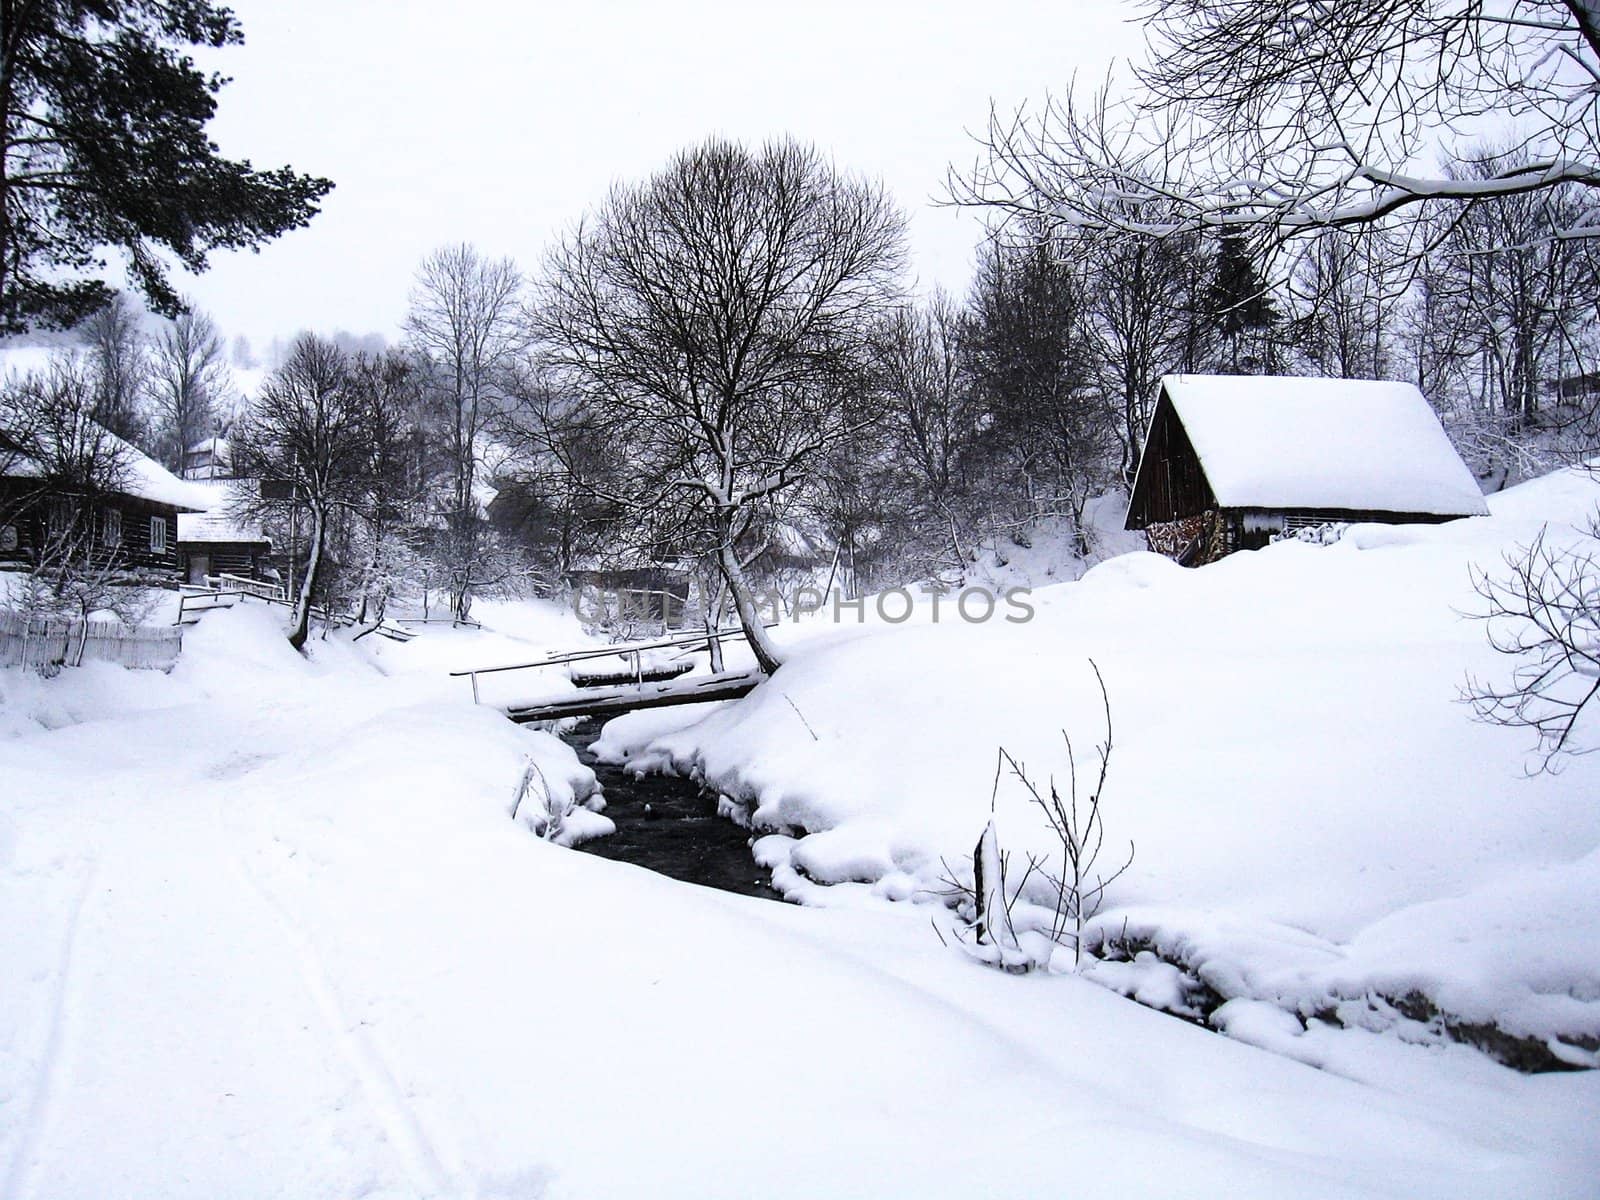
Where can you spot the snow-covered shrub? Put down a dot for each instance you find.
(1003, 922)
(559, 813)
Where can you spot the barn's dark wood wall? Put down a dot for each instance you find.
(1170, 484)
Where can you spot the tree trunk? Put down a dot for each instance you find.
(308, 582)
(768, 657)
(713, 587)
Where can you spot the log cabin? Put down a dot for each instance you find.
(1229, 461)
(133, 516)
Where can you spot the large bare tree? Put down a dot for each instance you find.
(463, 322)
(309, 439)
(1286, 117)
(714, 319)
(119, 359)
(188, 379)
(1147, 317)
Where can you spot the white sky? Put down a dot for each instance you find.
(499, 123)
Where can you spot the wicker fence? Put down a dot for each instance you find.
(50, 643)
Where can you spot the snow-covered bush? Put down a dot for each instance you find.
(1003, 921)
(566, 811)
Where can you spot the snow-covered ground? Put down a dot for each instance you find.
(268, 929)
(1317, 822)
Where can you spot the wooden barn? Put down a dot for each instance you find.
(135, 521)
(1229, 461)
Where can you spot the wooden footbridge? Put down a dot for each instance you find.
(653, 684)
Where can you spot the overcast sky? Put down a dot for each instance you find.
(499, 122)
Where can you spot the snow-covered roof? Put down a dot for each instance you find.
(142, 476)
(212, 445)
(1270, 441)
(149, 479)
(217, 526)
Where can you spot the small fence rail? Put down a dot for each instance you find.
(246, 586)
(220, 591)
(631, 651)
(52, 642)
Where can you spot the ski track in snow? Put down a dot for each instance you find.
(399, 1120)
(47, 1079)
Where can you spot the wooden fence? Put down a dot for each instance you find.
(48, 643)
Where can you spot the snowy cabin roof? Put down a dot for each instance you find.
(221, 522)
(1282, 443)
(217, 527)
(142, 476)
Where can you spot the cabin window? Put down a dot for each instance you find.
(158, 535)
(111, 530)
(59, 515)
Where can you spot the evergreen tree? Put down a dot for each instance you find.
(1244, 311)
(105, 146)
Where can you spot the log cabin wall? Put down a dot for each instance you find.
(244, 559)
(123, 526)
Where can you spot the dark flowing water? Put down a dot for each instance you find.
(666, 824)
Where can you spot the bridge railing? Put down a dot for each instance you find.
(250, 587)
(633, 651)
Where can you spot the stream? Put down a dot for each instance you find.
(668, 825)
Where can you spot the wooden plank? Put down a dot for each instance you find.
(610, 702)
(625, 674)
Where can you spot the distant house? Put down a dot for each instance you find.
(1231, 460)
(135, 521)
(651, 594)
(208, 459)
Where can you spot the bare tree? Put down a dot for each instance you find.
(188, 380)
(556, 498)
(1350, 289)
(75, 466)
(1283, 119)
(712, 320)
(119, 358)
(308, 438)
(1146, 320)
(929, 403)
(915, 477)
(388, 389)
(1545, 614)
(463, 322)
(1524, 296)
(1028, 345)
(1432, 331)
